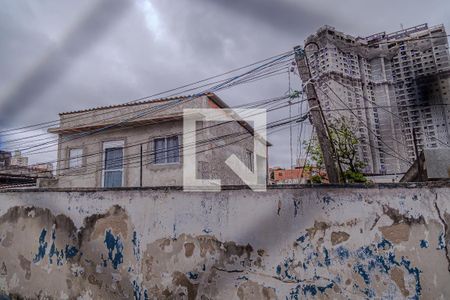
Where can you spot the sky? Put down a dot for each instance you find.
(62, 55)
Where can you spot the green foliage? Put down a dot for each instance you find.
(353, 177)
(316, 179)
(345, 144)
(294, 94)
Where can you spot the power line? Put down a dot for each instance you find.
(399, 117)
(146, 139)
(378, 148)
(275, 124)
(159, 93)
(141, 125)
(53, 140)
(385, 109)
(8, 142)
(263, 76)
(228, 83)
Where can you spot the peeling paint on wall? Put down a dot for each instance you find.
(325, 243)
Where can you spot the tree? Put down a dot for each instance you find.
(345, 143)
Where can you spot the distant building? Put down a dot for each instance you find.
(387, 85)
(19, 176)
(146, 150)
(18, 160)
(42, 167)
(298, 175)
(5, 158)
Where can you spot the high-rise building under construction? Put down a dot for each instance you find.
(388, 86)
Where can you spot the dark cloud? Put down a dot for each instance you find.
(293, 18)
(64, 55)
(87, 31)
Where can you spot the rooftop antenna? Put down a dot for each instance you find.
(401, 26)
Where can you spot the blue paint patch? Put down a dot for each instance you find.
(42, 246)
(415, 272)
(278, 270)
(295, 208)
(382, 264)
(139, 292)
(115, 249)
(136, 246)
(302, 238)
(375, 259)
(327, 259)
(60, 255)
(424, 244)
(362, 272)
(192, 275)
(327, 200)
(370, 293)
(364, 252)
(342, 253)
(384, 244)
(70, 251)
(174, 231)
(441, 242)
(105, 261)
(309, 289)
(322, 289)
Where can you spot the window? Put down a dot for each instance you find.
(249, 159)
(113, 164)
(167, 150)
(75, 158)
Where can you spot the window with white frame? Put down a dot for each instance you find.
(249, 160)
(113, 164)
(75, 158)
(166, 150)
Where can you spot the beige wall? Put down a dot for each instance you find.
(211, 163)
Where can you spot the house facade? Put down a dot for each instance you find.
(141, 144)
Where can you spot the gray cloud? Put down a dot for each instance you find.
(126, 51)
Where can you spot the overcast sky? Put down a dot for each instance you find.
(65, 55)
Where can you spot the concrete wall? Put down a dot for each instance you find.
(287, 243)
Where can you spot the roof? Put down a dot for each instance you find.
(433, 164)
(131, 103)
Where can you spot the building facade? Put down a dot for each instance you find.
(19, 160)
(5, 158)
(387, 86)
(298, 175)
(141, 144)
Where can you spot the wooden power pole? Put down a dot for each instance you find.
(317, 116)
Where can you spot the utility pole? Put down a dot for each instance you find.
(140, 166)
(416, 151)
(317, 116)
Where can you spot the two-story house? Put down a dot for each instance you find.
(140, 144)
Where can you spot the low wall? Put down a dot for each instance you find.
(287, 243)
